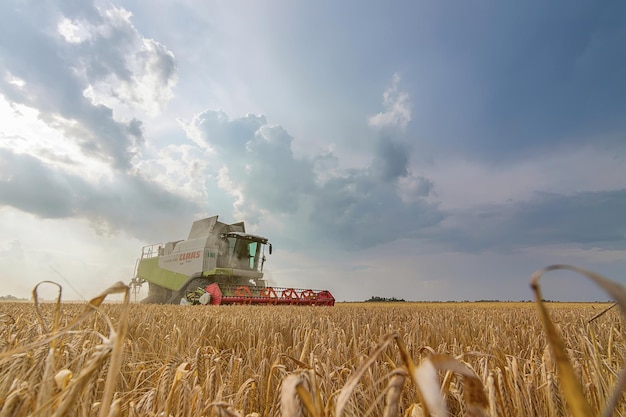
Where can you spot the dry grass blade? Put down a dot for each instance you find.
(426, 379)
(616, 395)
(475, 398)
(268, 391)
(615, 290)
(290, 406)
(80, 383)
(89, 309)
(115, 409)
(46, 389)
(38, 307)
(297, 362)
(352, 382)
(118, 343)
(603, 312)
(474, 392)
(181, 371)
(394, 390)
(224, 409)
(17, 403)
(250, 382)
(572, 390)
(307, 400)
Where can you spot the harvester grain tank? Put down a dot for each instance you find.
(217, 264)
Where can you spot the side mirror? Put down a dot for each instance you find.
(270, 248)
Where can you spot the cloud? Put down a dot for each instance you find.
(28, 185)
(397, 105)
(391, 159)
(83, 72)
(353, 208)
(360, 211)
(392, 151)
(13, 250)
(180, 169)
(587, 219)
(414, 187)
(259, 160)
(125, 202)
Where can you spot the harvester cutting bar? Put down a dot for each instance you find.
(225, 294)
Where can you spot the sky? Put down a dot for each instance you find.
(425, 150)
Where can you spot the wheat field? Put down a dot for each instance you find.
(354, 359)
(378, 359)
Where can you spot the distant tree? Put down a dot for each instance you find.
(376, 298)
(10, 298)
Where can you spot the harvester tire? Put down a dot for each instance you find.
(152, 299)
(156, 295)
(198, 282)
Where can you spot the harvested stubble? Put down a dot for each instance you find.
(239, 360)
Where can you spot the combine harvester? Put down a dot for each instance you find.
(218, 264)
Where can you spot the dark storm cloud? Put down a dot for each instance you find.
(126, 202)
(391, 159)
(56, 73)
(492, 80)
(559, 95)
(590, 219)
(28, 185)
(537, 75)
(360, 208)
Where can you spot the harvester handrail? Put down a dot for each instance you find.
(151, 251)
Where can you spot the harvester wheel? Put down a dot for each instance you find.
(156, 295)
(152, 299)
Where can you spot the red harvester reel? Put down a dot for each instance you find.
(222, 294)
